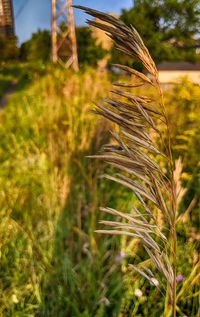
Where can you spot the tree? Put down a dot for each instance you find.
(168, 27)
(8, 48)
(88, 51)
(38, 48)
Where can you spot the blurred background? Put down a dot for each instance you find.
(52, 67)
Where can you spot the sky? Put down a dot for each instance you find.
(31, 15)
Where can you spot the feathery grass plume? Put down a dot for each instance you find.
(135, 153)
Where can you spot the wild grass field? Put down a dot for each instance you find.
(52, 262)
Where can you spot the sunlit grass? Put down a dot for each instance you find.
(52, 262)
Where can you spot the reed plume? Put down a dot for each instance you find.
(135, 154)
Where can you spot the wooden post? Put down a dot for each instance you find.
(62, 9)
(53, 31)
(72, 34)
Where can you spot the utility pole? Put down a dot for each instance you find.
(72, 34)
(64, 49)
(53, 31)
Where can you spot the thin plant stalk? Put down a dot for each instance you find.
(133, 153)
(173, 200)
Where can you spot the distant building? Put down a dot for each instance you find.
(103, 39)
(169, 72)
(6, 18)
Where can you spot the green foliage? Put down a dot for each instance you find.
(8, 48)
(52, 262)
(184, 115)
(8, 72)
(38, 48)
(89, 52)
(168, 27)
(4, 84)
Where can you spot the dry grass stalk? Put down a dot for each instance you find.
(140, 173)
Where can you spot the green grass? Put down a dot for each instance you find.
(52, 262)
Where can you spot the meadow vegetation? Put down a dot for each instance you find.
(52, 262)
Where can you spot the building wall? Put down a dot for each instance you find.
(166, 76)
(104, 40)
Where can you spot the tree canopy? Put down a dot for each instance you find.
(169, 28)
(89, 52)
(8, 48)
(38, 48)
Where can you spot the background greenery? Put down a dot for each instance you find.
(170, 29)
(52, 262)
